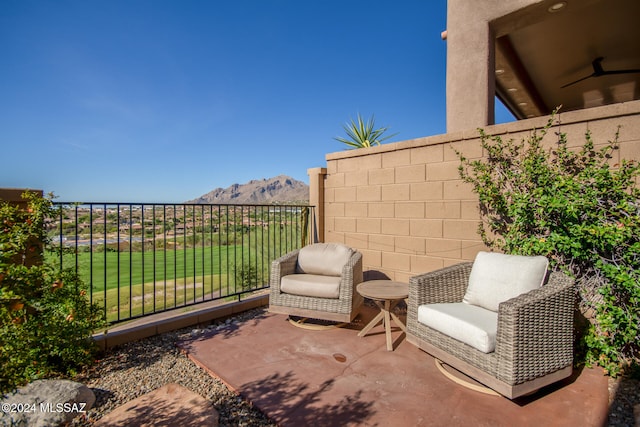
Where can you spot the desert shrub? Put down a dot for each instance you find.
(247, 276)
(362, 134)
(580, 211)
(46, 320)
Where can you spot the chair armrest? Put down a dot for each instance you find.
(535, 331)
(352, 270)
(441, 286)
(351, 276)
(281, 267)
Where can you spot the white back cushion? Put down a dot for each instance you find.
(326, 259)
(498, 277)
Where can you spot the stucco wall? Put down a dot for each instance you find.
(404, 206)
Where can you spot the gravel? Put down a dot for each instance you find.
(131, 370)
(624, 396)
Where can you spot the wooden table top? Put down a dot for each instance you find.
(383, 289)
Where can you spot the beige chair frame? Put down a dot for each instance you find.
(342, 309)
(534, 343)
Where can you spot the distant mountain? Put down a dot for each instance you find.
(259, 191)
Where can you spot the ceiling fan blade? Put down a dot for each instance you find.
(579, 80)
(620, 72)
(599, 71)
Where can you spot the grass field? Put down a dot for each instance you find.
(116, 269)
(136, 259)
(126, 302)
(130, 284)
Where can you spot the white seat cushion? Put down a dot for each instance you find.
(325, 259)
(470, 324)
(311, 285)
(496, 278)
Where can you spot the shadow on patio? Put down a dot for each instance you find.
(329, 378)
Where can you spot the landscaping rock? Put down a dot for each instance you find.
(170, 405)
(46, 403)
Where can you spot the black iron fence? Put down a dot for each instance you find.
(139, 259)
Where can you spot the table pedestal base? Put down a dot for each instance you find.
(385, 315)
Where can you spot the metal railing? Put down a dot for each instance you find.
(140, 259)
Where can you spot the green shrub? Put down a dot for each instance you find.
(247, 276)
(583, 214)
(46, 320)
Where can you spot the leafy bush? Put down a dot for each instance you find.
(580, 212)
(46, 320)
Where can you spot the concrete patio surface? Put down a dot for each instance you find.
(334, 378)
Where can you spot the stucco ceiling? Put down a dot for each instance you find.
(539, 50)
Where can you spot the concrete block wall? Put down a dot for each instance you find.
(404, 206)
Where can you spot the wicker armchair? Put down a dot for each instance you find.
(534, 339)
(329, 271)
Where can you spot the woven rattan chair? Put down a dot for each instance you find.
(317, 282)
(534, 339)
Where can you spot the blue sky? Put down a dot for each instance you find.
(162, 101)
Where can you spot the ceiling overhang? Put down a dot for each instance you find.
(544, 54)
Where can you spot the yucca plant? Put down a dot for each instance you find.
(362, 134)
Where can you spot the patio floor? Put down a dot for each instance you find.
(334, 378)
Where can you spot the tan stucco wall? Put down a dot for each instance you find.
(404, 206)
(470, 59)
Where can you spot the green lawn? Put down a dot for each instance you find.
(132, 282)
(126, 302)
(118, 269)
(163, 279)
(113, 269)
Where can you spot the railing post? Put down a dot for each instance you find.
(316, 198)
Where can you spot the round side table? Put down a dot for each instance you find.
(386, 294)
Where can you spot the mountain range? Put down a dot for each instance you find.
(280, 189)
